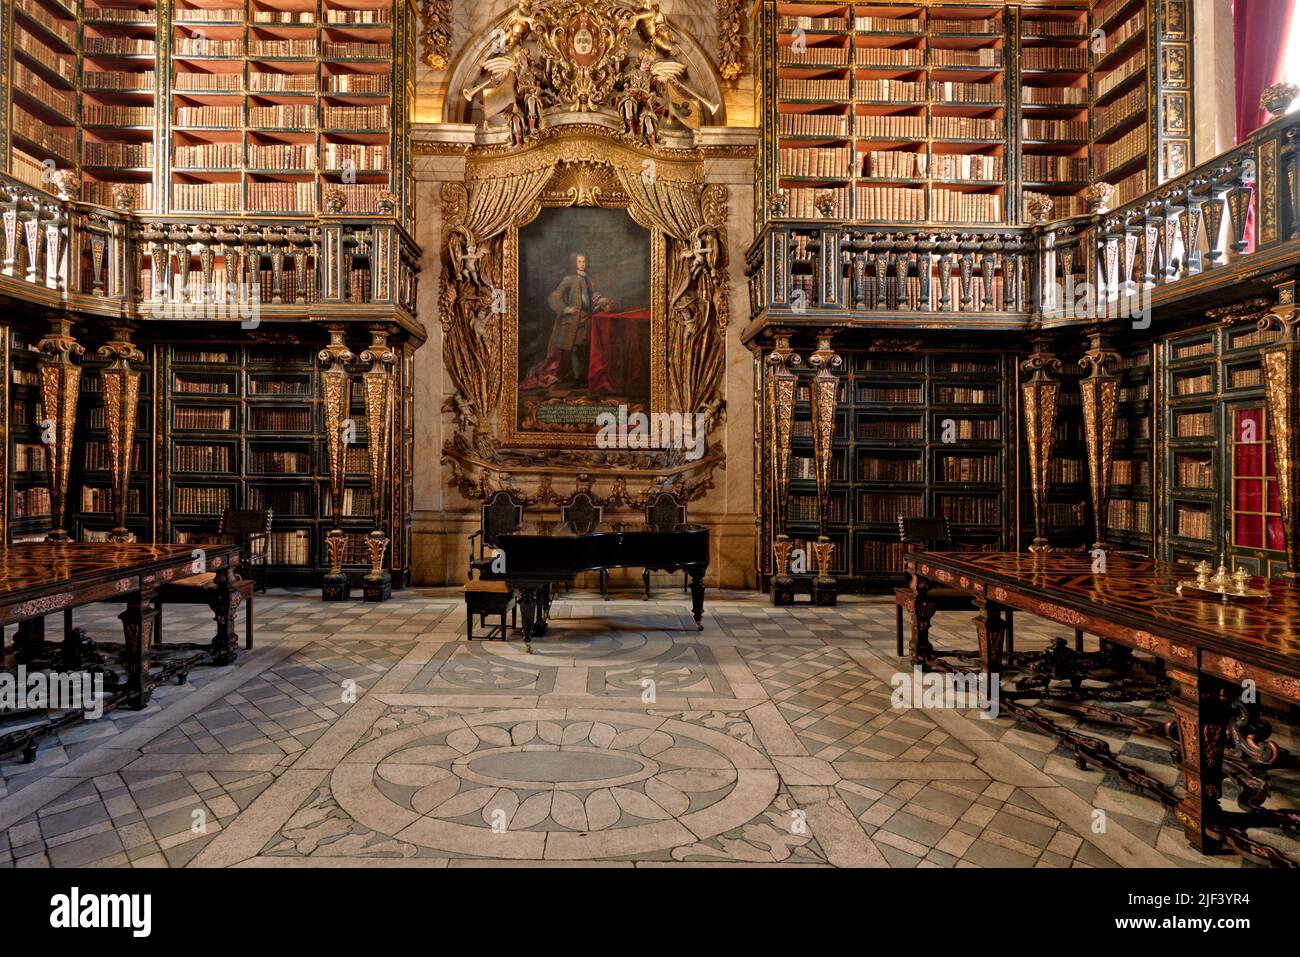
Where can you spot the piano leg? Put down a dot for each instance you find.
(697, 597)
(528, 615)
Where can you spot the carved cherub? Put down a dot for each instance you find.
(464, 255)
(653, 25)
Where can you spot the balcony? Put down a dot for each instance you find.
(1186, 245)
(94, 261)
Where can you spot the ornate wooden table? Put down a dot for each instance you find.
(1206, 653)
(38, 579)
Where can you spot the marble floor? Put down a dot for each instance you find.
(377, 735)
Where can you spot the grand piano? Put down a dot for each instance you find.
(534, 563)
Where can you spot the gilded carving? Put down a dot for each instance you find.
(1039, 394)
(121, 396)
(1100, 396)
(60, 382)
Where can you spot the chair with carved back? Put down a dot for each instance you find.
(250, 529)
(487, 594)
(582, 515)
(934, 535)
(664, 512)
(501, 514)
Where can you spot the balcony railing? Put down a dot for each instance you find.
(88, 258)
(1229, 220)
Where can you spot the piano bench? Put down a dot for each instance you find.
(485, 598)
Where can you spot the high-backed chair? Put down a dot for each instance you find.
(487, 594)
(502, 513)
(582, 514)
(250, 529)
(665, 512)
(933, 535)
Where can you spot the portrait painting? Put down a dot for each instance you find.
(586, 322)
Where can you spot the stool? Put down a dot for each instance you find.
(485, 598)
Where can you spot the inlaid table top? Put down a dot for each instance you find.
(1133, 591)
(41, 566)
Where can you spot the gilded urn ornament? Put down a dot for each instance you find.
(1277, 99)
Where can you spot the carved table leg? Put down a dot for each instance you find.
(991, 626)
(697, 597)
(1201, 714)
(137, 626)
(29, 642)
(224, 601)
(922, 610)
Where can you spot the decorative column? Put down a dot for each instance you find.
(1100, 392)
(336, 387)
(121, 407)
(824, 386)
(1038, 395)
(60, 385)
(781, 383)
(378, 383)
(1281, 384)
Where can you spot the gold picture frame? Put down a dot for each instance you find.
(587, 185)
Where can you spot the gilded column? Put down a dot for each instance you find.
(377, 383)
(336, 388)
(1099, 390)
(60, 385)
(781, 382)
(1281, 381)
(121, 407)
(1038, 396)
(824, 387)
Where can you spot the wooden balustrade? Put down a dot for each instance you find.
(88, 258)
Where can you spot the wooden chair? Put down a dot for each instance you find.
(502, 513)
(665, 512)
(582, 514)
(486, 594)
(935, 535)
(250, 529)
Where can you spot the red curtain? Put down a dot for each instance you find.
(1259, 29)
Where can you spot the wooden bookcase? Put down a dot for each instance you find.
(1129, 515)
(916, 433)
(959, 113)
(214, 106)
(28, 497)
(1217, 457)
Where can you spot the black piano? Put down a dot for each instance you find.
(534, 563)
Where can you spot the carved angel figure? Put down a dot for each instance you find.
(524, 108)
(464, 255)
(645, 87)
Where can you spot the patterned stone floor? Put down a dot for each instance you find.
(377, 735)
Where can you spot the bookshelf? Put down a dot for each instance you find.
(1218, 456)
(242, 427)
(215, 106)
(1129, 515)
(916, 433)
(28, 517)
(960, 114)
